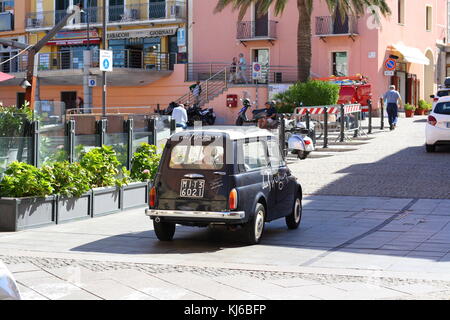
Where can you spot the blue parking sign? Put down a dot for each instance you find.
(181, 37)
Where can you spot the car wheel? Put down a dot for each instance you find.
(302, 155)
(255, 227)
(164, 230)
(293, 220)
(430, 147)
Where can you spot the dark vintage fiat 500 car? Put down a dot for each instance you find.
(233, 176)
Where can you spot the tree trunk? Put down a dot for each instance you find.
(304, 41)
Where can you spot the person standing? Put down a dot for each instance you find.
(392, 100)
(196, 90)
(180, 115)
(233, 74)
(242, 68)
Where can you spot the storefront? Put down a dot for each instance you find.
(143, 48)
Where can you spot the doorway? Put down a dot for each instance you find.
(20, 99)
(262, 56)
(69, 98)
(261, 23)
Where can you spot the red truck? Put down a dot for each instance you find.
(354, 89)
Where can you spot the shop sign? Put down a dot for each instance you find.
(65, 38)
(141, 33)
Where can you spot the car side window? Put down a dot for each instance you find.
(255, 155)
(275, 157)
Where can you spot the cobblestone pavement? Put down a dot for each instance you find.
(373, 243)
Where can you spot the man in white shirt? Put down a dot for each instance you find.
(242, 68)
(180, 115)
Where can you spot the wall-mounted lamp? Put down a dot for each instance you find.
(25, 84)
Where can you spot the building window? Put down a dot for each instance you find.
(340, 64)
(6, 5)
(429, 18)
(401, 11)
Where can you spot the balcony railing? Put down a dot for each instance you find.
(6, 21)
(125, 14)
(18, 64)
(253, 30)
(329, 26)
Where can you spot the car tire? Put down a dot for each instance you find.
(164, 230)
(254, 229)
(430, 147)
(302, 155)
(293, 220)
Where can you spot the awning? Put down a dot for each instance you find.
(5, 76)
(411, 54)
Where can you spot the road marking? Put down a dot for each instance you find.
(361, 236)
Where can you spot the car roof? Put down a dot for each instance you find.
(233, 132)
(444, 99)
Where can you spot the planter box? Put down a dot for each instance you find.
(135, 195)
(69, 209)
(409, 113)
(22, 213)
(106, 201)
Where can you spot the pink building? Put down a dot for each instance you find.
(414, 35)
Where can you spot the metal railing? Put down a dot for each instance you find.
(115, 14)
(126, 58)
(6, 21)
(210, 88)
(18, 64)
(252, 30)
(328, 25)
(271, 73)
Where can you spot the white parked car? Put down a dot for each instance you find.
(441, 92)
(8, 286)
(437, 130)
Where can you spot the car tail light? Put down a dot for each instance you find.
(233, 200)
(435, 99)
(152, 200)
(432, 120)
(307, 142)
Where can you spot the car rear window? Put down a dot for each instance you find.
(442, 108)
(443, 93)
(204, 157)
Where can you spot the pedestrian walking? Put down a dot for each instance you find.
(196, 90)
(233, 70)
(179, 113)
(392, 99)
(80, 104)
(242, 68)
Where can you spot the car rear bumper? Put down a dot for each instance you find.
(435, 135)
(196, 215)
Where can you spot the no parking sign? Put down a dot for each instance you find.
(390, 64)
(256, 71)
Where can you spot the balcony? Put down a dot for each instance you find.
(132, 14)
(130, 67)
(256, 30)
(327, 26)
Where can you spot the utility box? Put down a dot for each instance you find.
(232, 100)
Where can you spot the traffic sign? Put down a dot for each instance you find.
(388, 73)
(92, 81)
(106, 60)
(256, 71)
(390, 64)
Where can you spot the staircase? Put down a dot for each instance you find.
(211, 88)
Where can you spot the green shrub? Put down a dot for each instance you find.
(103, 165)
(68, 179)
(24, 180)
(145, 162)
(425, 105)
(409, 107)
(311, 93)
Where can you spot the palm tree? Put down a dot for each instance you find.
(305, 8)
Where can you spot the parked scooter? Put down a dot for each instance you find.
(298, 138)
(206, 116)
(242, 118)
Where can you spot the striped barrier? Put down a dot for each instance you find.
(332, 109)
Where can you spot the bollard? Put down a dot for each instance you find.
(382, 114)
(130, 129)
(307, 119)
(369, 104)
(341, 139)
(173, 126)
(152, 129)
(358, 114)
(71, 140)
(325, 128)
(101, 129)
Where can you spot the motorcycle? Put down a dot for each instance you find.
(206, 116)
(298, 138)
(257, 114)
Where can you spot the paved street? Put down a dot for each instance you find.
(375, 226)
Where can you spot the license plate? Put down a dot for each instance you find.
(192, 188)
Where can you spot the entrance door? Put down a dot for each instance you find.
(262, 57)
(261, 23)
(70, 99)
(402, 85)
(20, 99)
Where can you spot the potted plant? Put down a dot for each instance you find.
(420, 110)
(425, 106)
(409, 110)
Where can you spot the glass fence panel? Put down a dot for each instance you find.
(52, 149)
(119, 142)
(162, 131)
(14, 149)
(84, 143)
(141, 137)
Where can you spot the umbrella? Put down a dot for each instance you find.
(5, 76)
